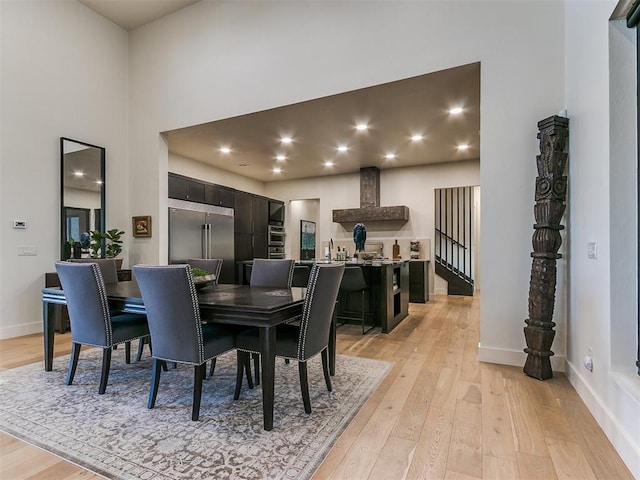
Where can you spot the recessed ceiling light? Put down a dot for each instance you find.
(78, 173)
(277, 170)
(462, 147)
(225, 150)
(286, 140)
(361, 127)
(455, 110)
(343, 148)
(390, 156)
(328, 163)
(281, 158)
(417, 137)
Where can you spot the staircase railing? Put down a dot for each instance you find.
(453, 231)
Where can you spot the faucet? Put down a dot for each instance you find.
(330, 248)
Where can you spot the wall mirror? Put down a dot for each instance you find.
(82, 197)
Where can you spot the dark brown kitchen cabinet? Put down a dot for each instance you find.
(242, 213)
(260, 215)
(183, 188)
(220, 196)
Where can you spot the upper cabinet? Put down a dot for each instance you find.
(184, 188)
(220, 196)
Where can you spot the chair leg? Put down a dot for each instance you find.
(199, 371)
(155, 381)
(286, 361)
(213, 367)
(73, 363)
(304, 386)
(240, 363)
(325, 368)
(164, 366)
(127, 353)
(106, 364)
(247, 368)
(256, 366)
(141, 342)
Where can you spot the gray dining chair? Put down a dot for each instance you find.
(275, 273)
(300, 276)
(109, 270)
(92, 323)
(304, 341)
(177, 333)
(211, 265)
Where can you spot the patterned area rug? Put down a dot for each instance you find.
(115, 435)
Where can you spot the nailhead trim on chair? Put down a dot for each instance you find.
(291, 269)
(196, 311)
(304, 319)
(104, 302)
(192, 363)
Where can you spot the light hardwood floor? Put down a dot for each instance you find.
(439, 414)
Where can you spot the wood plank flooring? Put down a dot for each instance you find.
(439, 414)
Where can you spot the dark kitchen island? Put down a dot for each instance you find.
(387, 301)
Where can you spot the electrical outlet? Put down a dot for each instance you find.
(592, 250)
(588, 363)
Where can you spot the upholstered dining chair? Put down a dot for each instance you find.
(275, 273)
(300, 276)
(109, 270)
(177, 333)
(310, 338)
(91, 321)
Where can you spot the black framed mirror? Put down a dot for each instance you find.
(82, 196)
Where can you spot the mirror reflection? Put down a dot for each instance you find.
(82, 196)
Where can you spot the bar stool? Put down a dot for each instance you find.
(353, 282)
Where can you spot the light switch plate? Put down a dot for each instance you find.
(27, 251)
(592, 250)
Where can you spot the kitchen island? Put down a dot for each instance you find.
(387, 299)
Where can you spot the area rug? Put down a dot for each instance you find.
(116, 436)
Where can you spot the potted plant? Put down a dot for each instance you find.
(112, 243)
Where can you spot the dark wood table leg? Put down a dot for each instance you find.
(48, 320)
(268, 353)
(332, 344)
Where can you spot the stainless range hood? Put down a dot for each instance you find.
(370, 209)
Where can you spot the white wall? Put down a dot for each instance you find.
(194, 169)
(410, 186)
(601, 102)
(215, 60)
(308, 209)
(63, 73)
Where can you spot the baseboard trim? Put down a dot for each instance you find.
(629, 451)
(20, 330)
(515, 358)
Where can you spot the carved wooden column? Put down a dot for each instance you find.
(550, 196)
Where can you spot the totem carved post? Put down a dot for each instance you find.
(550, 196)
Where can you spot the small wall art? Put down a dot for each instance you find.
(141, 226)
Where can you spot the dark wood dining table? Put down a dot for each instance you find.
(260, 307)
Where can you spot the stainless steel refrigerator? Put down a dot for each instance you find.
(197, 230)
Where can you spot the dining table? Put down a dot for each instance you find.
(262, 307)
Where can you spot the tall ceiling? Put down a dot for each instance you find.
(394, 112)
(131, 14)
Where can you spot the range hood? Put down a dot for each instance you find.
(370, 209)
